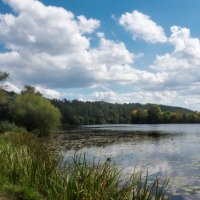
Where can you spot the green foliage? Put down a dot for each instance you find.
(6, 126)
(3, 105)
(16, 192)
(35, 113)
(5, 99)
(30, 90)
(28, 165)
(139, 116)
(99, 112)
(154, 114)
(3, 76)
(78, 112)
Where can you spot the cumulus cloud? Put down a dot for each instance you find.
(48, 46)
(87, 25)
(186, 52)
(38, 28)
(49, 93)
(10, 87)
(164, 97)
(141, 26)
(183, 64)
(167, 97)
(111, 52)
(182, 67)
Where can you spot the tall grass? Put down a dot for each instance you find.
(26, 163)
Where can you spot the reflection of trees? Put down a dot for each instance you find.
(101, 138)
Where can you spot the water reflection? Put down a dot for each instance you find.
(169, 149)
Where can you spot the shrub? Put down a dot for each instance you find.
(35, 113)
(6, 126)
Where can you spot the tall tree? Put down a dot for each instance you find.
(3, 76)
(4, 100)
(35, 113)
(154, 114)
(139, 116)
(30, 90)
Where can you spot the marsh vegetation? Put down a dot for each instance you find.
(30, 170)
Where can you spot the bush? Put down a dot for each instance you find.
(6, 126)
(35, 113)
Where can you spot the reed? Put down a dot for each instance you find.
(26, 163)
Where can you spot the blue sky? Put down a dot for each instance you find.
(116, 51)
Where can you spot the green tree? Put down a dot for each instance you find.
(3, 76)
(139, 116)
(35, 113)
(154, 114)
(4, 99)
(30, 90)
(166, 117)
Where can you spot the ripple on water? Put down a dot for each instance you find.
(136, 148)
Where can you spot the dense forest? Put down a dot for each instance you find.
(78, 112)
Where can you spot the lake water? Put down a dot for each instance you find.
(170, 149)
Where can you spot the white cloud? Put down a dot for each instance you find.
(88, 25)
(49, 93)
(10, 87)
(38, 28)
(48, 47)
(182, 65)
(128, 97)
(141, 26)
(110, 52)
(166, 97)
(186, 54)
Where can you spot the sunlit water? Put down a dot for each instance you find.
(172, 150)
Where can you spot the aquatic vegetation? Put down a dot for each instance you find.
(30, 169)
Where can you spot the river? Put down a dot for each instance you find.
(168, 149)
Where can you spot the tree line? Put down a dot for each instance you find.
(154, 115)
(78, 113)
(31, 110)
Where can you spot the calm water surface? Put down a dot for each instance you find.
(172, 150)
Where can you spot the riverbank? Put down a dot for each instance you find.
(30, 170)
(158, 148)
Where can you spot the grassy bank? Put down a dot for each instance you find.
(29, 170)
